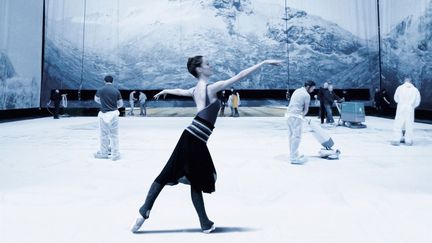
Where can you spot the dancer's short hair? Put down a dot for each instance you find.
(193, 63)
(108, 79)
(309, 83)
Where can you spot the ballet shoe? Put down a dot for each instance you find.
(208, 227)
(138, 223)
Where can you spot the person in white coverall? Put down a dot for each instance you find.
(110, 100)
(132, 100)
(296, 112)
(407, 98)
(142, 101)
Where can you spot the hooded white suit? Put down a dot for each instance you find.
(407, 98)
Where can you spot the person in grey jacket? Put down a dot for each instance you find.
(110, 100)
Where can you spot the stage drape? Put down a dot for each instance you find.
(145, 44)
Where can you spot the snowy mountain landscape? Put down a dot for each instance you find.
(16, 92)
(147, 48)
(407, 52)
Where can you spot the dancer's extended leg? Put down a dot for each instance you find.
(144, 211)
(207, 225)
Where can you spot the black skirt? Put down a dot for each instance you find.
(190, 163)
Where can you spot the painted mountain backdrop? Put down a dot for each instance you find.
(407, 52)
(147, 47)
(16, 92)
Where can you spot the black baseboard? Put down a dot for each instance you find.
(424, 116)
(22, 114)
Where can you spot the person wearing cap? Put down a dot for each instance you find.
(296, 112)
(110, 100)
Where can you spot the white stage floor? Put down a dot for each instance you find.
(53, 190)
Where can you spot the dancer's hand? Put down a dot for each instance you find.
(274, 62)
(156, 97)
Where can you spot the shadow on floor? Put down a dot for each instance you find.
(218, 230)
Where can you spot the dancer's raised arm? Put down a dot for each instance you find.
(227, 83)
(191, 162)
(179, 92)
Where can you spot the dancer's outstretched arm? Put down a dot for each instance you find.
(179, 92)
(220, 85)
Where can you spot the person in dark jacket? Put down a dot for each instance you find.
(223, 99)
(322, 93)
(377, 100)
(329, 99)
(56, 98)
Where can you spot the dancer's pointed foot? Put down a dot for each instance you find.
(208, 227)
(138, 223)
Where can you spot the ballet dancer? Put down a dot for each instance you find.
(191, 163)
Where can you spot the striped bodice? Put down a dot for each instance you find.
(200, 128)
(203, 123)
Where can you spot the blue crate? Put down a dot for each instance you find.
(353, 112)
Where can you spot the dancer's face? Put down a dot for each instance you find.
(205, 69)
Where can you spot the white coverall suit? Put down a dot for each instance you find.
(108, 126)
(297, 109)
(407, 98)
